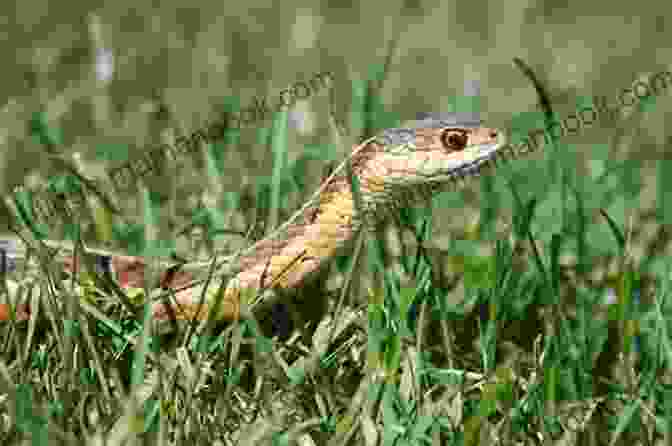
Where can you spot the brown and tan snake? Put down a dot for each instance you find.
(395, 168)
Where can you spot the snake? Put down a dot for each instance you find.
(398, 167)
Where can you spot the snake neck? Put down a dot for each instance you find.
(323, 231)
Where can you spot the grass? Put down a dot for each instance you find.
(530, 353)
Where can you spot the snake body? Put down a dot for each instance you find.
(398, 167)
(395, 168)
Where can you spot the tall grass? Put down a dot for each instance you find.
(530, 352)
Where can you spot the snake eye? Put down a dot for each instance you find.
(454, 139)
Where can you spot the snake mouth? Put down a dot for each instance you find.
(473, 161)
(487, 158)
(484, 162)
(484, 156)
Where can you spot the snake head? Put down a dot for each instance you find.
(439, 149)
